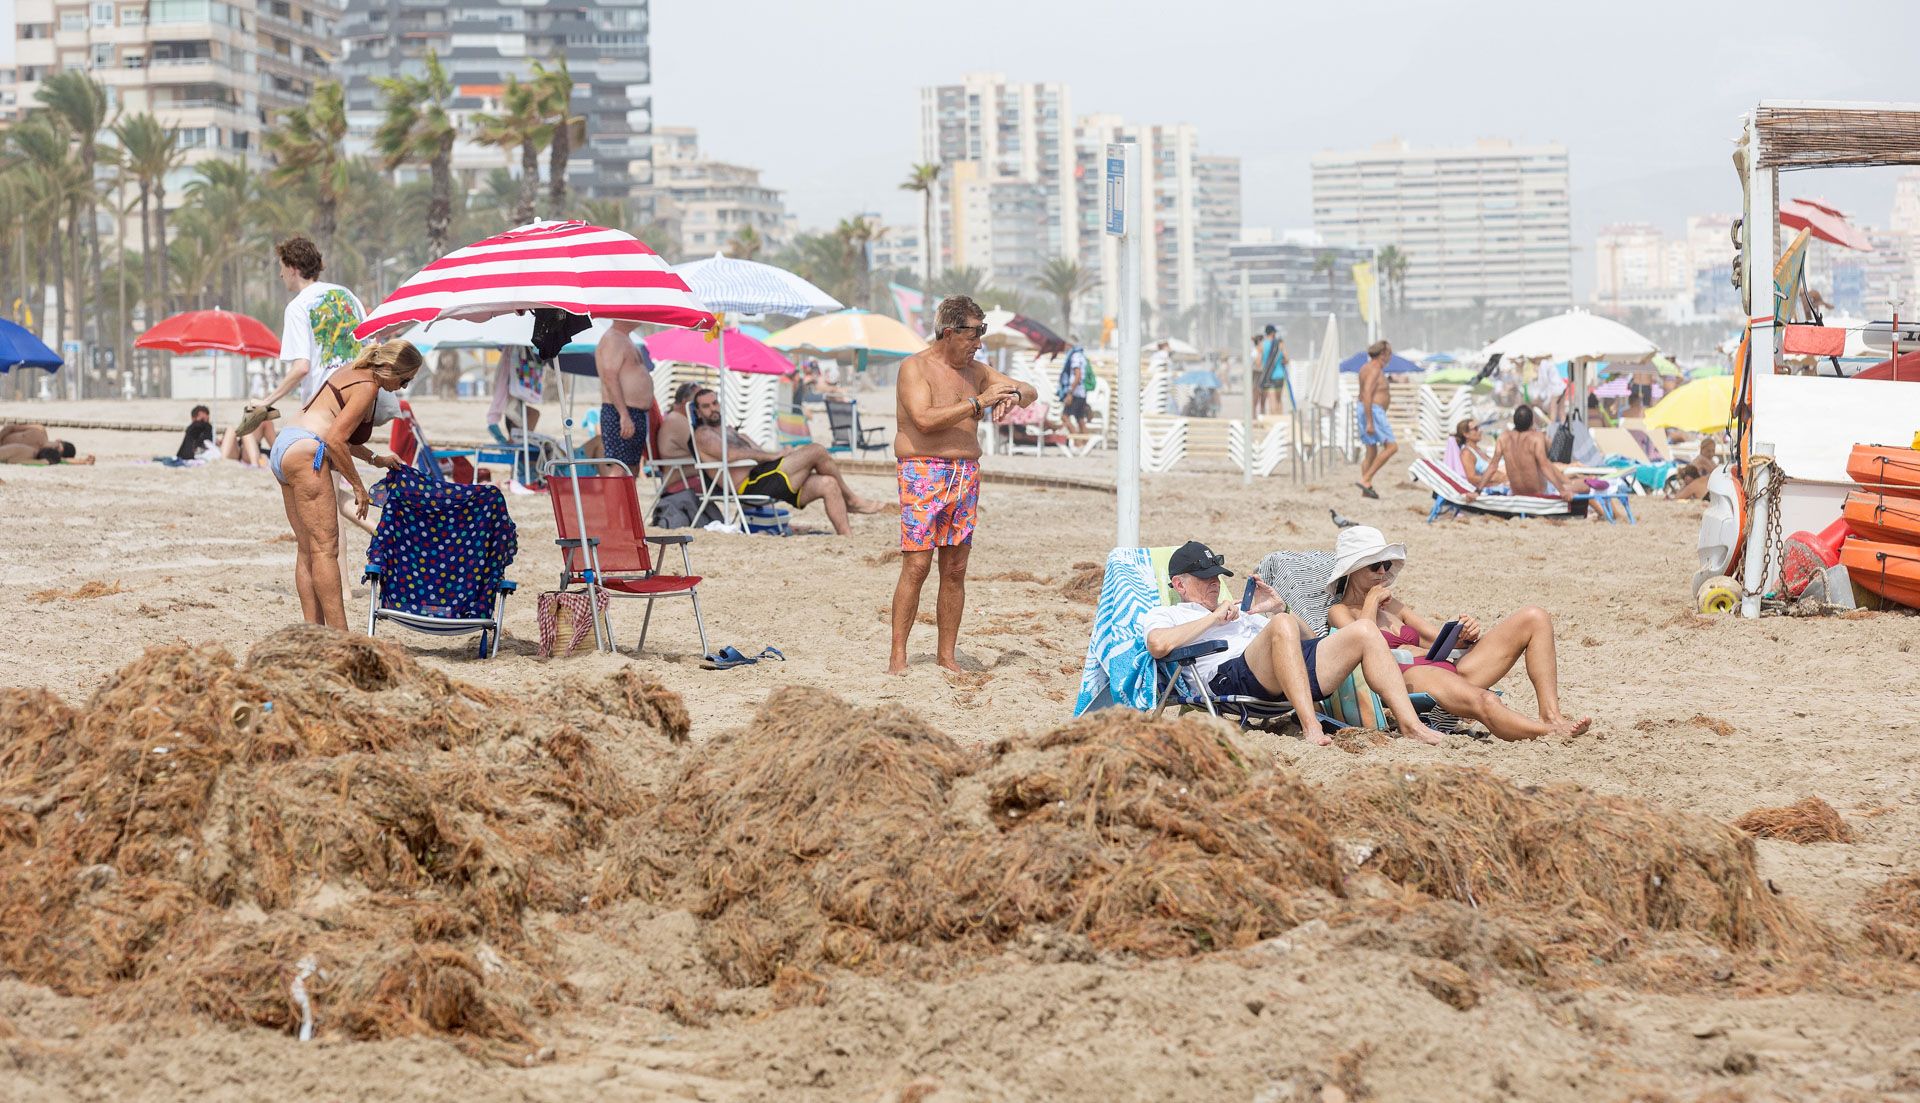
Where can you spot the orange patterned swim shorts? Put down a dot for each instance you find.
(939, 499)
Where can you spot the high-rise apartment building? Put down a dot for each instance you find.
(1018, 140)
(1217, 208)
(1486, 224)
(1637, 266)
(1193, 200)
(1290, 285)
(709, 201)
(215, 70)
(481, 42)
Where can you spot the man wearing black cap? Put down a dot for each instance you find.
(1270, 654)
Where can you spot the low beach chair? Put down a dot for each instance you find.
(1450, 491)
(604, 545)
(438, 561)
(408, 441)
(849, 436)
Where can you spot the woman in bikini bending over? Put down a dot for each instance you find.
(1364, 568)
(329, 432)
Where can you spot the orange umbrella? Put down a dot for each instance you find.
(211, 331)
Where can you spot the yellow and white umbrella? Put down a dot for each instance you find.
(849, 331)
(1702, 406)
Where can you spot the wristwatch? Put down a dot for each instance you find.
(976, 405)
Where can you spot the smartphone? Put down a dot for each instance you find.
(1445, 642)
(1246, 597)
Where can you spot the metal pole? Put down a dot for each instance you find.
(1137, 221)
(1253, 376)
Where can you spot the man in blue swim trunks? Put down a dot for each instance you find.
(1371, 414)
(1270, 654)
(626, 394)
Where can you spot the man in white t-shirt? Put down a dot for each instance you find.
(1270, 654)
(316, 332)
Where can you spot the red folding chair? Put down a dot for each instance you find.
(603, 545)
(405, 438)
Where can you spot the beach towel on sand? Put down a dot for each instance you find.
(1118, 669)
(441, 546)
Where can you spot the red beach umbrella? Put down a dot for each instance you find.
(211, 331)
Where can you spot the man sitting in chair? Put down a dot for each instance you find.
(796, 476)
(1270, 655)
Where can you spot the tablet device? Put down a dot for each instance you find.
(1445, 642)
(1246, 597)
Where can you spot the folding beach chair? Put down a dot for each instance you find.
(843, 418)
(408, 441)
(604, 546)
(438, 561)
(1450, 490)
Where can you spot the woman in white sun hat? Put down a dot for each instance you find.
(1364, 569)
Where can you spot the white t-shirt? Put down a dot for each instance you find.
(318, 328)
(1238, 632)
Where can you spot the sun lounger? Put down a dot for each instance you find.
(438, 561)
(604, 545)
(1450, 492)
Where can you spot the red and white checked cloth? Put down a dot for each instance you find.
(579, 612)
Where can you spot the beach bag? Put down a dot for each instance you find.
(1560, 449)
(566, 621)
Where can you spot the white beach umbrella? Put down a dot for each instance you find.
(1576, 336)
(1321, 387)
(499, 331)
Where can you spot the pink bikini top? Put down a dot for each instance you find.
(1404, 636)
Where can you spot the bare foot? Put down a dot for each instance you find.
(897, 667)
(862, 505)
(1316, 737)
(949, 664)
(1423, 734)
(1569, 730)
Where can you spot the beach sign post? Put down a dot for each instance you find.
(1125, 220)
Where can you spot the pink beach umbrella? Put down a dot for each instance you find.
(743, 353)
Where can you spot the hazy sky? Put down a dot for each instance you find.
(1645, 95)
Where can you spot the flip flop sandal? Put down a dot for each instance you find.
(770, 653)
(255, 419)
(1367, 491)
(727, 658)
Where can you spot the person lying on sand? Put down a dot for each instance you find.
(30, 444)
(1270, 654)
(1364, 568)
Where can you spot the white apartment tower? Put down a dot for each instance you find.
(215, 70)
(1195, 205)
(1004, 202)
(711, 201)
(1489, 223)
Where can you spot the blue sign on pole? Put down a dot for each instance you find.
(1116, 190)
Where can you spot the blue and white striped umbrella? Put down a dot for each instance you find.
(749, 287)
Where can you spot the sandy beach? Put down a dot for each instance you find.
(1711, 717)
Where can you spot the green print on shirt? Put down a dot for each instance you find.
(333, 317)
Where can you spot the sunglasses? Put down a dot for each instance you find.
(968, 331)
(1382, 567)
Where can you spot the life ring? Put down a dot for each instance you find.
(1719, 594)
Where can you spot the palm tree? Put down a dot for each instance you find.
(856, 236)
(78, 103)
(223, 195)
(662, 236)
(59, 186)
(921, 178)
(520, 126)
(1065, 280)
(417, 127)
(1393, 265)
(555, 96)
(611, 213)
(746, 243)
(308, 148)
(1326, 261)
(148, 151)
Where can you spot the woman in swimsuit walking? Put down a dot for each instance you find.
(330, 430)
(1364, 568)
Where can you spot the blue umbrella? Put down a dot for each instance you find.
(1437, 358)
(1395, 364)
(1199, 377)
(19, 348)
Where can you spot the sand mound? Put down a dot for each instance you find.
(1587, 873)
(202, 834)
(1808, 820)
(1084, 583)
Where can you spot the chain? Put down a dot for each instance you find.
(1770, 543)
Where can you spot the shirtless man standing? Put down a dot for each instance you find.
(1522, 453)
(1371, 412)
(943, 393)
(626, 394)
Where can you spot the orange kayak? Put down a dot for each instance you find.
(1883, 518)
(1887, 470)
(1890, 570)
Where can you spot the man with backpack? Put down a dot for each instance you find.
(1076, 380)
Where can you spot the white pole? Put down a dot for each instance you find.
(1253, 375)
(1137, 222)
(1761, 229)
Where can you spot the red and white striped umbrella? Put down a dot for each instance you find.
(573, 266)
